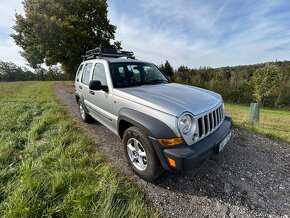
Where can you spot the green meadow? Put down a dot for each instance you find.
(273, 123)
(49, 168)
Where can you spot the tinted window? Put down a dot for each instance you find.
(134, 74)
(86, 74)
(79, 72)
(99, 74)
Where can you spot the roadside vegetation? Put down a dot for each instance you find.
(266, 83)
(49, 168)
(273, 123)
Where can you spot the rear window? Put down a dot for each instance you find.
(79, 73)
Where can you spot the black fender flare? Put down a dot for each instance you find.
(150, 125)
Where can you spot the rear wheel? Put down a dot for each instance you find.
(83, 114)
(141, 155)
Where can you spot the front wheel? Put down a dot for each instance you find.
(141, 155)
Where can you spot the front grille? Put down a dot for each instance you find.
(209, 122)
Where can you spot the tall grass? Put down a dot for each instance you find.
(49, 168)
(273, 123)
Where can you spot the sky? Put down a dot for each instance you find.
(193, 33)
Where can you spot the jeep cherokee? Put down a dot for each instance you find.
(163, 125)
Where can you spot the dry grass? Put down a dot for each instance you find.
(273, 123)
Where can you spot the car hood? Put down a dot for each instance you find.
(172, 98)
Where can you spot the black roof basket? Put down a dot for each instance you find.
(109, 53)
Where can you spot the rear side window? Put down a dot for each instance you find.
(79, 73)
(86, 74)
(100, 74)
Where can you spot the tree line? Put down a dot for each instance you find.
(11, 72)
(265, 83)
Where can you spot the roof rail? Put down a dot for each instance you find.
(109, 53)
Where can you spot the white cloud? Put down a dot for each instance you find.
(8, 9)
(8, 50)
(210, 40)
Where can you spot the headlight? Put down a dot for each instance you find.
(185, 123)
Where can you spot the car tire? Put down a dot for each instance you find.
(145, 165)
(85, 117)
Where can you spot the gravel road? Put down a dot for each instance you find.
(250, 179)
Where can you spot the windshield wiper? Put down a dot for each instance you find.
(140, 83)
(136, 83)
(156, 81)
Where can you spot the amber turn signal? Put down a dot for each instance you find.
(170, 142)
(171, 162)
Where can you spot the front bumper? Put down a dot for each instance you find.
(189, 157)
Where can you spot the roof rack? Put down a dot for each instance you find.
(109, 53)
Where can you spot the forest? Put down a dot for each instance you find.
(266, 83)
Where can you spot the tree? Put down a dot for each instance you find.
(55, 31)
(265, 80)
(167, 68)
(284, 79)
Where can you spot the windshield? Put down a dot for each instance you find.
(129, 74)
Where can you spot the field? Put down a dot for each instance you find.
(273, 123)
(49, 168)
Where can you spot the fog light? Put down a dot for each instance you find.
(171, 162)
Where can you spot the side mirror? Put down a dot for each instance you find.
(96, 86)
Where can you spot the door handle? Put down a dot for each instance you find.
(80, 87)
(91, 92)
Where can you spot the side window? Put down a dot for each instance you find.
(86, 74)
(100, 74)
(78, 73)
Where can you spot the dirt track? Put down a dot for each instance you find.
(250, 179)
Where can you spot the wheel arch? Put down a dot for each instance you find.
(150, 125)
(81, 98)
(77, 97)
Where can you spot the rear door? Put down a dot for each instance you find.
(77, 79)
(84, 83)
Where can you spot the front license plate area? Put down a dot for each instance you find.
(224, 142)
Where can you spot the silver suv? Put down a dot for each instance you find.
(163, 125)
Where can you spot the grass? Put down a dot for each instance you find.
(273, 123)
(49, 168)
